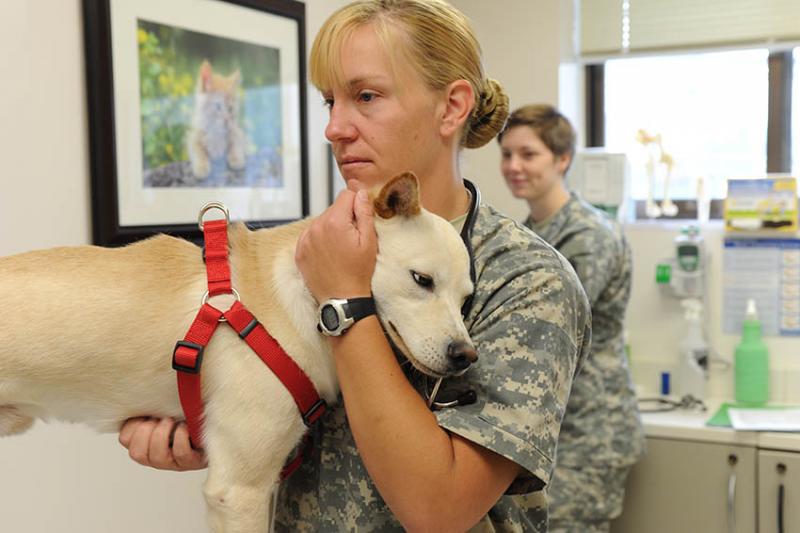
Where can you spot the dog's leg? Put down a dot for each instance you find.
(13, 421)
(237, 507)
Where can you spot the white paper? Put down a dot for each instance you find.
(765, 419)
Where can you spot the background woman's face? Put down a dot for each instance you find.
(529, 167)
(382, 121)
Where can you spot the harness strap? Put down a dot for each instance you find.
(296, 381)
(218, 270)
(187, 358)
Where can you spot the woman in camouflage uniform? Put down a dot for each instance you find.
(601, 435)
(405, 87)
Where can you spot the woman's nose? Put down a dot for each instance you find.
(512, 164)
(340, 127)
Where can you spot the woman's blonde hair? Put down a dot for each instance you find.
(553, 128)
(435, 38)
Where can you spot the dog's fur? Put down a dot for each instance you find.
(88, 335)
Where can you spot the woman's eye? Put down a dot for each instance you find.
(366, 97)
(423, 280)
(327, 102)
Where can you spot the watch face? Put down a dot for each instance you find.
(330, 319)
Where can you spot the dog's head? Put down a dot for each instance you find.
(421, 280)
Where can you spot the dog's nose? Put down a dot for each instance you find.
(461, 354)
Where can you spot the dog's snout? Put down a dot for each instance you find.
(461, 354)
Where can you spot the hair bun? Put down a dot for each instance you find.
(489, 115)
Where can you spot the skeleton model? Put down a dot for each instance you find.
(656, 156)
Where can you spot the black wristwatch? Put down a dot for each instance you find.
(335, 316)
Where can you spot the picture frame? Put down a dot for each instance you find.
(193, 101)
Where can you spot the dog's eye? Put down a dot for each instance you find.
(423, 280)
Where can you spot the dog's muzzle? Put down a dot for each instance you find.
(461, 354)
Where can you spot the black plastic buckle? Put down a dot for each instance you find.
(311, 416)
(248, 328)
(195, 369)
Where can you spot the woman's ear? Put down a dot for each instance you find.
(459, 100)
(563, 162)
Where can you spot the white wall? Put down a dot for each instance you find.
(58, 477)
(522, 48)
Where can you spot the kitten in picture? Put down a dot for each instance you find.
(216, 134)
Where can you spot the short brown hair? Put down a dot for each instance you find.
(553, 128)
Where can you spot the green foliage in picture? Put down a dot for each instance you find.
(166, 98)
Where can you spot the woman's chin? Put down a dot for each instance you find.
(519, 193)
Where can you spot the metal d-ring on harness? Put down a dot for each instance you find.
(467, 397)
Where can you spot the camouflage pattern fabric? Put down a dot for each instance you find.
(530, 321)
(591, 498)
(602, 428)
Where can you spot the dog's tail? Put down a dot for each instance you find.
(13, 421)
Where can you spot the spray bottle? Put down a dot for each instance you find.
(693, 368)
(751, 361)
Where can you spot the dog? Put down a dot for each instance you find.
(90, 335)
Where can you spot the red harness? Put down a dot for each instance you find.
(187, 357)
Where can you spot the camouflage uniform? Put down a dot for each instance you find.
(530, 322)
(601, 435)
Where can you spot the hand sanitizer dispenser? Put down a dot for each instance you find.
(684, 272)
(683, 277)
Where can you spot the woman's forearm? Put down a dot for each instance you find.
(425, 475)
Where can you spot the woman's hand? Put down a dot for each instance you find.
(162, 444)
(336, 253)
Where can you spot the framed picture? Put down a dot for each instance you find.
(192, 101)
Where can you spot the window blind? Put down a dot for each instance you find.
(601, 26)
(681, 24)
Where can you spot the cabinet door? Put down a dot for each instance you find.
(690, 487)
(778, 492)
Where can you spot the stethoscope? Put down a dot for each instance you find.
(469, 396)
(663, 405)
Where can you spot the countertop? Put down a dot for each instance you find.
(690, 424)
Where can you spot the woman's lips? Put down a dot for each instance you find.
(352, 162)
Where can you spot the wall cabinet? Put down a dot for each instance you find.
(691, 487)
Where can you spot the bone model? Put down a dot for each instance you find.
(656, 156)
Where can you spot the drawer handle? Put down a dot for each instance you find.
(780, 508)
(731, 502)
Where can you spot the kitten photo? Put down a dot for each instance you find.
(216, 137)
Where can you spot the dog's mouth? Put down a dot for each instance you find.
(399, 343)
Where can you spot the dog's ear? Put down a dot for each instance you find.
(399, 196)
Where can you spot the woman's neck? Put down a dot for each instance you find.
(549, 204)
(443, 193)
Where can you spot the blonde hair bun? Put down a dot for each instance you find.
(488, 117)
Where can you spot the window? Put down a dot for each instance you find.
(710, 109)
(796, 114)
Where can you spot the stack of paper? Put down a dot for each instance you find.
(765, 419)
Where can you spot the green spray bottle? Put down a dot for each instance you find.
(751, 361)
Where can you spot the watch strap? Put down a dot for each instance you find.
(358, 308)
